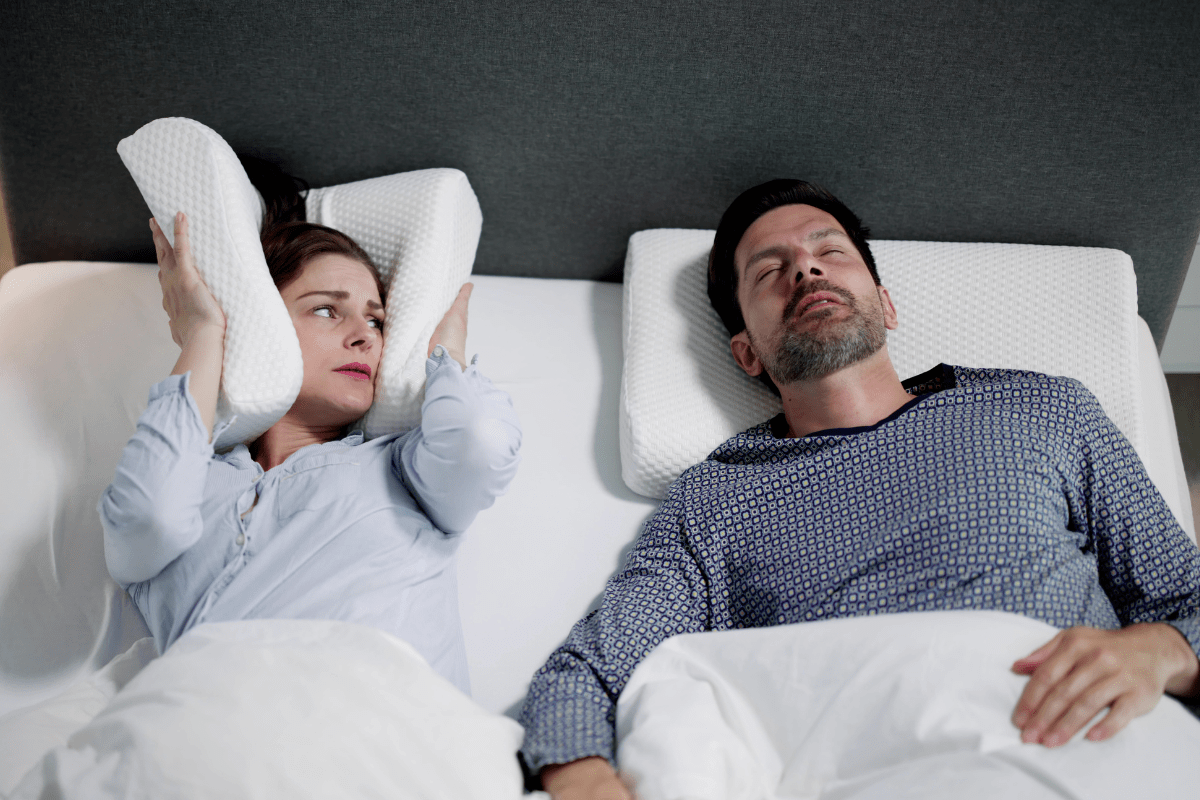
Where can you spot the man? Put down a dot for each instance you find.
(959, 489)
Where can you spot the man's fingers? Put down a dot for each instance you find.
(1026, 665)
(1045, 678)
(1121, 714)
(1055, 698)
(1083, 707)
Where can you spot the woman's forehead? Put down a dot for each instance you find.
(335, 272)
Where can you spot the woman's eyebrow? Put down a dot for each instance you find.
(339, 295)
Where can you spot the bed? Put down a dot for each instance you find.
(1038, 123)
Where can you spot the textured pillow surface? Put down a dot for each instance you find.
(1059, 310)
(181, 165)
(420, 228)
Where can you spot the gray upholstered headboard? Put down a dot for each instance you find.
(578, 123)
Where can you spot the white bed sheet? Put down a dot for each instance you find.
(80, 343)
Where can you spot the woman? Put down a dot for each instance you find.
(309, 520)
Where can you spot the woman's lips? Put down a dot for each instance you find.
(360, 372)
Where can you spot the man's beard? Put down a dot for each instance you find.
(810, 355)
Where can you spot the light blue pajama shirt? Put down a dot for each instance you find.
(352, 530)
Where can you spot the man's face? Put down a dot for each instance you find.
(810, 304)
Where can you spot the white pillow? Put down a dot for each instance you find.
(1059, 310)
(421, 229)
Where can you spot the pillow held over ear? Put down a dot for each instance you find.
(420, 228)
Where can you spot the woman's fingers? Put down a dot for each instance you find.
(187, 300)
(451, 332)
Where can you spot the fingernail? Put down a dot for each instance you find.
(1030, 736)
(1053, 740)
(1095, 735)
(1020, 719)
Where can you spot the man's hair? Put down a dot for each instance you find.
(741, 214)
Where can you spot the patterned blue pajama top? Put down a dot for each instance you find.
(991, 489)
(352, 530)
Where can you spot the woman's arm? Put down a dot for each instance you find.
(151, 511)
(465, 452)
(196, 320)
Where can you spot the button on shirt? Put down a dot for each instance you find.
(353, 530)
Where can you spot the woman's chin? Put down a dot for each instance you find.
(330, 412)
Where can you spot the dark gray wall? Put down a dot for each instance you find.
(1073, 122)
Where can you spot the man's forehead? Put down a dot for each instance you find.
(796, 220)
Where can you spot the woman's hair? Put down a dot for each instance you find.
(289, 242)
(741, 214)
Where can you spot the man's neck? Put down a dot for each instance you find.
(856, 396)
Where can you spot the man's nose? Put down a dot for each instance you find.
(806, 266)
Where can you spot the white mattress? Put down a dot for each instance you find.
(80, 343)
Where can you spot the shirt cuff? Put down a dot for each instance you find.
(441, 356)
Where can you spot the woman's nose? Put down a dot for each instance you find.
(363, 335)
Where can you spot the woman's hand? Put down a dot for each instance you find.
(189, 304)
(197, 321)
(451, 332)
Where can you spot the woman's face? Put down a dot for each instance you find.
(338, 314)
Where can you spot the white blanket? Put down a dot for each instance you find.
(905, 705)
(285, 708)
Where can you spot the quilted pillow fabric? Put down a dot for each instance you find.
(420, 228)
(181, 165)
(1059, 310)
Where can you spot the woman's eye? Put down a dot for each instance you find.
(376, 323)
(323, 311)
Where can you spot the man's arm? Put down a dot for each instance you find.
(1149, 569)
(570, 712)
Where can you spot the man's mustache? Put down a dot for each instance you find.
(812, 287)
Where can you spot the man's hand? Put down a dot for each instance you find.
(1084, 670)
(586, 779)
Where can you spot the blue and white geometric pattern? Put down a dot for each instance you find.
(992, 489)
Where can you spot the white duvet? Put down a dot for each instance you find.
(274, 709)
(893, 706)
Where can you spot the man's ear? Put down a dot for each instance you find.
(891, 320)
(744, 355)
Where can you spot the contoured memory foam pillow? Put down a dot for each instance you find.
(420, 228)
(1059, 310)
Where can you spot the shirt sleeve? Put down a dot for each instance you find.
(570, 711)
(1148, 566)
(151, 510)
(467, 447)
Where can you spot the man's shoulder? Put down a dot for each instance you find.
(1017, 384)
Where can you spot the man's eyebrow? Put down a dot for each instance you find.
(824, 232)
(340, 295)
(762, 254)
